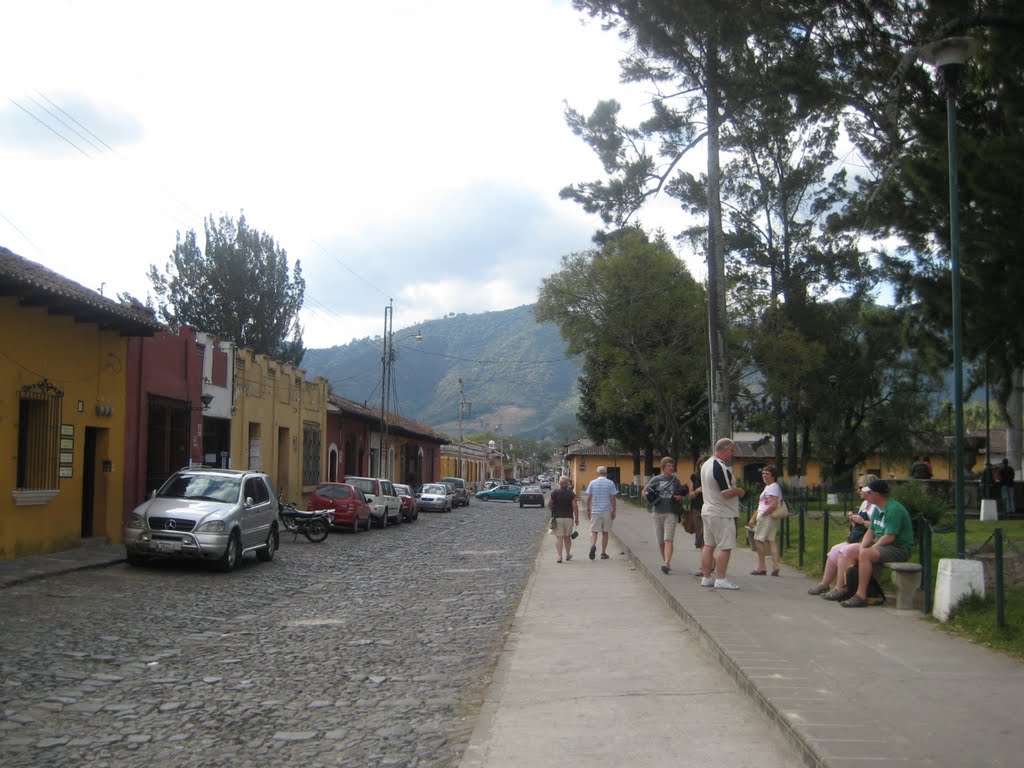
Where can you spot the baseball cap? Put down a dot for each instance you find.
(876, 486)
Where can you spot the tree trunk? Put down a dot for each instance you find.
(718, 370)
(1014, 406)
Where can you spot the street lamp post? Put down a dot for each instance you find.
(949, 56)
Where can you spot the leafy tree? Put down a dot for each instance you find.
(238, 287)
(630, 307)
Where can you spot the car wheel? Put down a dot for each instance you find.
(232, 554)
(520, 505)
(383, 522)
(266, 554)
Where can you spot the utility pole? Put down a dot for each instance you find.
(385, 386)
(462, 405)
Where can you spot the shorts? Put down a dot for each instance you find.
(563, 526)
(893, 553)
(719, 532)
(665, 526)
(843, 549)
(766, 528)
(601, 523)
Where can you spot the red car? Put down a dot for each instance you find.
(348, 504)
(409, 511)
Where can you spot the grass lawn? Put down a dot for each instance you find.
(974, 619)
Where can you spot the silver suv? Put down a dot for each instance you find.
(384, 501)
(461, 490)
(205, 513)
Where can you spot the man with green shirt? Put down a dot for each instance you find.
(890, 539)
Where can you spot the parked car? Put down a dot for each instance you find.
(531, 494)
(461, 490)
(545, 484)
(204, 513)
(347, 504)
(385, 506)
(500, 492)
(408, 497)
(435, 497)
(491, 483)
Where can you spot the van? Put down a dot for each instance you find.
(461, 490)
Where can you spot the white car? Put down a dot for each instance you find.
(385, 505)
(435, 497)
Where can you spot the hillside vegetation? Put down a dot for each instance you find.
(514, 371)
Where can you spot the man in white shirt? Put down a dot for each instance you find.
(721, 508)
(601, 495)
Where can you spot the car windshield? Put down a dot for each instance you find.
(531, 489)
(364, 484)
(205, 487)
(402, 490)
(433, 489)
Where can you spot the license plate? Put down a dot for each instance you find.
(167, 546)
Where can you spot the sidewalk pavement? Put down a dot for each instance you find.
(847, 687)
(94, 553)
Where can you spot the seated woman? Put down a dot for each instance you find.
(844, 554)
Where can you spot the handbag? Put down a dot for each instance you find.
(781, 510)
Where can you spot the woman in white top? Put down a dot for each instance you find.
(765, 527)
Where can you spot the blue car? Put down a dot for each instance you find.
(500, 492)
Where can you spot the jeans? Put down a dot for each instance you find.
(1009, 504)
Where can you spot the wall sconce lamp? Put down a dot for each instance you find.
(104, 410)
(205, 398)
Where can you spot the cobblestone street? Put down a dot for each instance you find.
(368, 649)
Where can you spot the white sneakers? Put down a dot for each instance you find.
(724, 584)
(707, 581)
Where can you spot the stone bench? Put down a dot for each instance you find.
(906, 579)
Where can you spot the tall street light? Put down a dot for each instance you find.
(949, 56)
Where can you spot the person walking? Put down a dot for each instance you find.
(565, 515)
(764, 526)
(601, 495)
(669, 494)
(721, 508)
(696, 505)
(1006, 488)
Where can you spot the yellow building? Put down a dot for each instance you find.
(468, 461)
(278, 423)
(63, 371)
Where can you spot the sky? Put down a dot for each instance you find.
(408, 150)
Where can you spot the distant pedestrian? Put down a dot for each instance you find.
(1006, 487)
(601, 495)
(764, 526)
(696, 505)
(721, 508)
(667, 508)
(565, 515)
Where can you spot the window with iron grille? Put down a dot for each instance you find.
(310, 455)
(39, 412)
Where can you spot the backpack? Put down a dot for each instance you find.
(876, 595)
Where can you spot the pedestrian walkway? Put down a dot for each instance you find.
(847, 687)
(94, 553)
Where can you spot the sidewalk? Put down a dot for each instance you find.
(847, 687)
(94, 553)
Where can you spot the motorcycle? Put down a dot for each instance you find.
(313, 525)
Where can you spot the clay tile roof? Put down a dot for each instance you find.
(36, 286)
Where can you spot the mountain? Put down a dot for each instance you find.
(514, 372)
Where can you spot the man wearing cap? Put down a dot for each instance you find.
(601, 495)
(890, 539)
